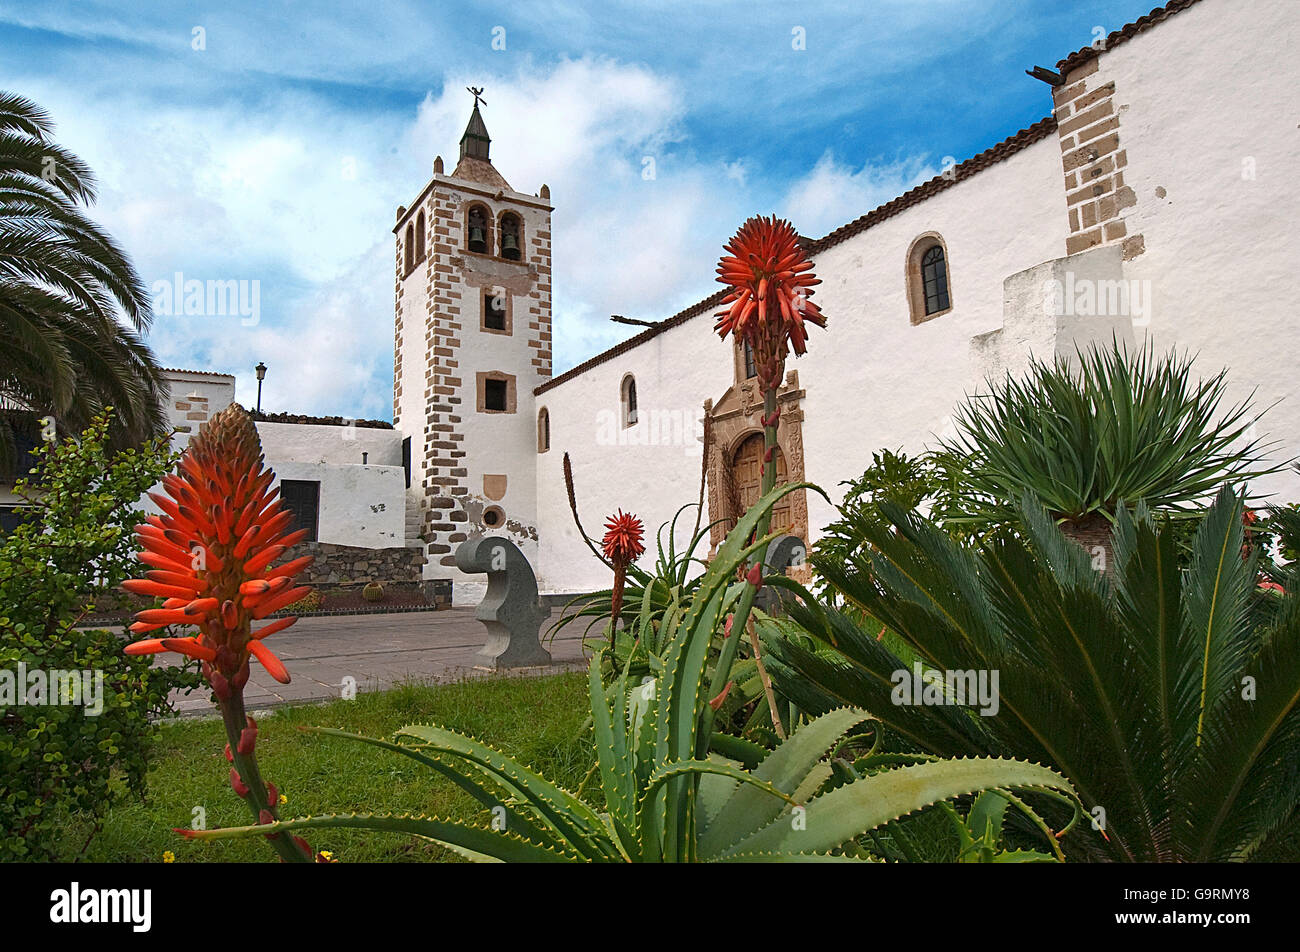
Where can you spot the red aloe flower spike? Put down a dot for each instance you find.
(219, 501)
(211, 552)
(282, 600)
(147, 646)
(716, 702)
(190, 647)
(622, 541)
(771, 281)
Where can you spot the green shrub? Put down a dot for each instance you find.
(62, 759)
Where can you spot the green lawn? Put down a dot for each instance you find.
(538, 720)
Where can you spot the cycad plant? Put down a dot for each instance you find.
(1118, 427)
(1169, 696)
(63, 284)
(668, 797)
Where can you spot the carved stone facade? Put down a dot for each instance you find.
(736, 417)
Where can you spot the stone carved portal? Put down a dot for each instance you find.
(735, 457)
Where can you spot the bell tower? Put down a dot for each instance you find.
(472, 328)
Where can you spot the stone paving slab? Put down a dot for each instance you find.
(379, 651)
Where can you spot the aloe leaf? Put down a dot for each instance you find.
(616, 780)
(489, 797)
(794, 858)
(785, 769)
(571, 819)
(848, 811)
(500, 845)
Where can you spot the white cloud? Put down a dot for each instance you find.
(296, 191)
(833, 194)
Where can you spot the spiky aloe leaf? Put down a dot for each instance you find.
(679, 714)
(571, 819)
(795, 858)
(617, 779)
(487, 794)
(845, 812)
(465, 838)
(786, 768)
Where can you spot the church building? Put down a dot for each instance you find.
(1153, 203)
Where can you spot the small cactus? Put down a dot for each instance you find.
(373, 592)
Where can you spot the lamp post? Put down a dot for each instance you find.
(261, 375)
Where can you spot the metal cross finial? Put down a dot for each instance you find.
(477, 93)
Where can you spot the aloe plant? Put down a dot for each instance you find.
(668, 796)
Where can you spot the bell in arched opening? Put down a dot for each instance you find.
(510, 245)
(477, 242)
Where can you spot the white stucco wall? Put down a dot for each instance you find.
(650, 469)
(1207, 116)
(873, 379)
(876, 381)
(359, 505)
(316, 443)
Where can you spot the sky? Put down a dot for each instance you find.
(270, 144)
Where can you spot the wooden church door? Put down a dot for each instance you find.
(747, 478)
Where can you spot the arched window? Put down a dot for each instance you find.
(512, 237)
(419, 237)
(629, 400)
(409, 250)
(543, 430)
(934, 278)
(476, 237)
(929, 289)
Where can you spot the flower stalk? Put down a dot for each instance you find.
(771, 279)
(211, 553)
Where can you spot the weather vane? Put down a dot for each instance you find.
(477, 93)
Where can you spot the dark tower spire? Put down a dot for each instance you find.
(476, 141)
(474, 163)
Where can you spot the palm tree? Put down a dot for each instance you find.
(1168, 694)
(65, 351)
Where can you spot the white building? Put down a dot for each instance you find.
(345, 480)
(1159, 193)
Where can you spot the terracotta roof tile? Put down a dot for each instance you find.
(201, 373)
(1124, 33)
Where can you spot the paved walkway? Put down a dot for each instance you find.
(379, 651)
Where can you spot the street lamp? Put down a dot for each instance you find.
(261, 375)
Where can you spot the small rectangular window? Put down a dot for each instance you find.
(494, 310)
(302, 498)
(494, 395)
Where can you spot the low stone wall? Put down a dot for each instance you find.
(347, 565)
